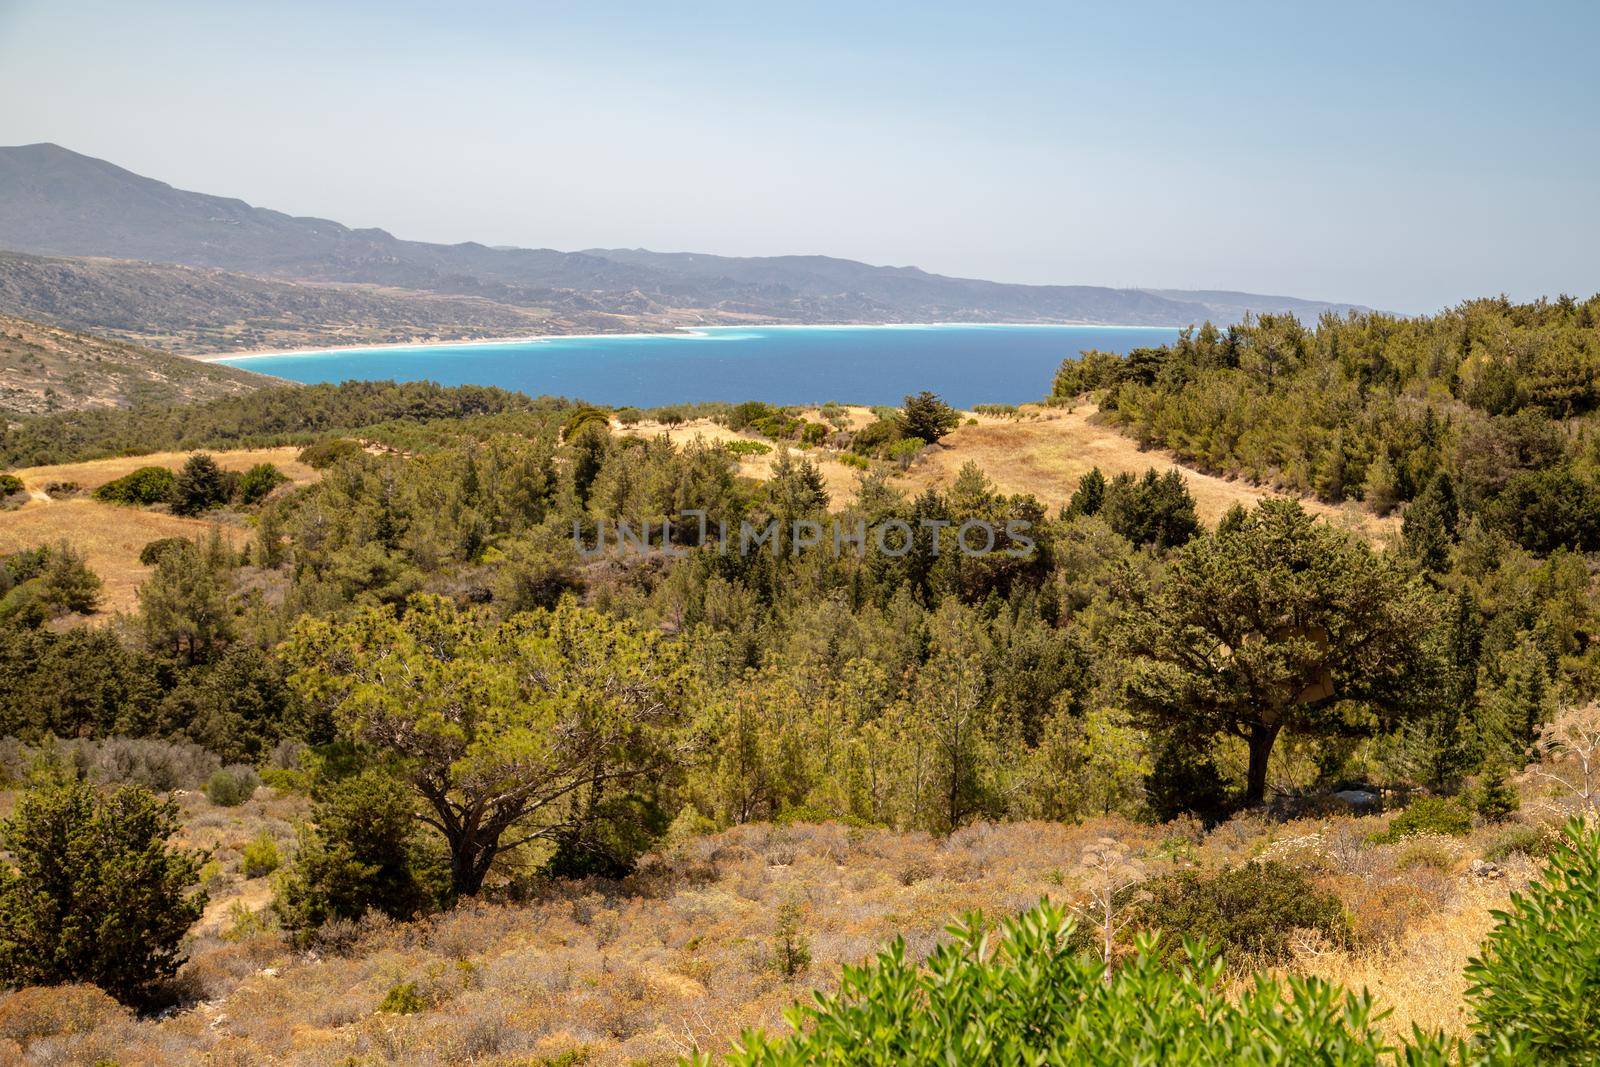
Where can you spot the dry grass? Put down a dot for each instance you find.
(109, 536)
(95, 473)
(1043, 451)
(681, 954)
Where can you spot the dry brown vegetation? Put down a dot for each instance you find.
(681, 954)
(110, 536)
(1042, 450)
(46, 368)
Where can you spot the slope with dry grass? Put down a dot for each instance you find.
(1042, 450)
(110, 536)
(682, 954)
(46, 368)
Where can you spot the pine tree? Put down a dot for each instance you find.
(95, 894)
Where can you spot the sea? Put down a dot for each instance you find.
(965, 364)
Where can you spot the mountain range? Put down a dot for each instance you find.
(256, 278)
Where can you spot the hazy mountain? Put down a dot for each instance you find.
(57, 202)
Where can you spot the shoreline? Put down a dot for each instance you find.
(676, 331)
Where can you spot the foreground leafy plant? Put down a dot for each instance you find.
(1028, 998)
(1536, 984)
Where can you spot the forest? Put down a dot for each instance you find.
(473, 705)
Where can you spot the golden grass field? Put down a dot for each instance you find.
(1043, 451)
(110, 536)
(680, 955)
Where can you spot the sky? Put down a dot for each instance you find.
(1403, 156)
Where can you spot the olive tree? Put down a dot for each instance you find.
(1277, 622)
(505, 734)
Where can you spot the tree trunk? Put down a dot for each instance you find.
(1261, 740)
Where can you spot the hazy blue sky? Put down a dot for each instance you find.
(1401, 156)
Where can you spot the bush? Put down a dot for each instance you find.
(10, 483)
(258, 481)
(1494, 798)
(260, 856)
(1432, 851)
(1246, 911)
(200, 486)
(1520, 841)
(147, 761)
(1536, 983)
(362, 853)
(325, 454)
(151, 553)
(1430, 815)
(746, 448)
(927, 418)
(232, 786)
(402, 999)
(93, 893)
(142, 488)
(1031, 1000)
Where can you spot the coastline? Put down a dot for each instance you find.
(676, 331)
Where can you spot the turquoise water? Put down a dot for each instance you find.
(782, 365)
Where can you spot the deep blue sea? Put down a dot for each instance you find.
(782, 365)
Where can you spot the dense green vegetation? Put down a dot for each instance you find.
(429, 641)
(1498, 398)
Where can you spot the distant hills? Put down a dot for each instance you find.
(359, 285)
(44, 369)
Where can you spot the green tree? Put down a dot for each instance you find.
(183, 605)
(1280, 623)
(258, 481)
(200, 486)
(927, 418)
(93, 893)
(362, 852)
(508, 734)
(1153, 510)
(1089, 496)
(1428, 528)
(66, 583)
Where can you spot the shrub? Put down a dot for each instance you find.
(232, 786)
(927, 418)
(1494, 798)
(10, 483)
(1430, 815)
(260, 856)
(324, 454)
(200, 486)
(791, 950)
(746, 448)
(145, 486)
(147, 761)
(1536, 982)
(1432, 851)
(362, 853)
(1520, 841)
(258, 481)
(93, 893)
(1032, 1000)
(1241, 911)
(152, 552)
(402, 999)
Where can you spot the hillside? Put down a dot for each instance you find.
(197, 310)
(57, 202)
(45, 369)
